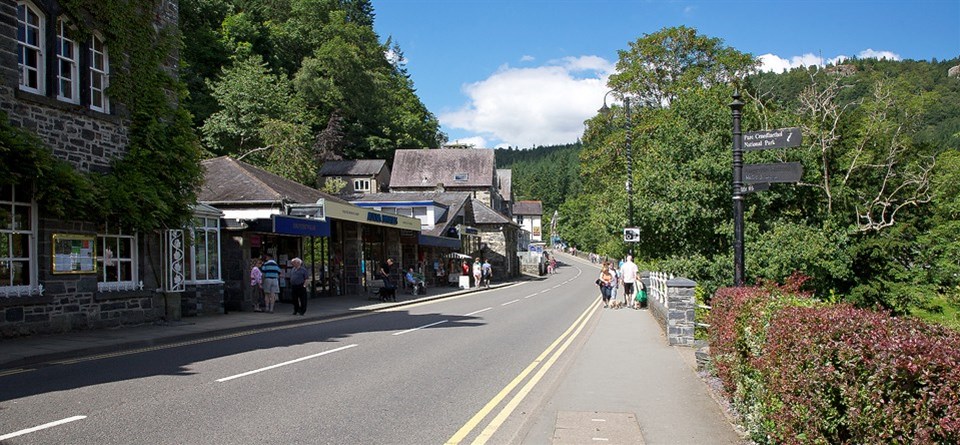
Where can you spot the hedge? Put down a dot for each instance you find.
(801, 371)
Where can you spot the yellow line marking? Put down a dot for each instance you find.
(497, 421)
(480, 415)
(7, 372)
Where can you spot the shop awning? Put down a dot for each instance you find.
(457, 255)
(439, 241)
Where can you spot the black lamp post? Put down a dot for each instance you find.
(604, 110)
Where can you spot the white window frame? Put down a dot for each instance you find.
(71, 61)
(361, 185)
(26, 11)
(98, 51)
(108, 248)
(12, 206)
(207, 227)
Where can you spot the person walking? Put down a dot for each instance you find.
(604, 282)
(271, 282)
(487, 272)
(477, 272)
(628, 274)
(298, 280)
(384, 273)
(614, 283)
(256, 283)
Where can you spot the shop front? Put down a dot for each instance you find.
(362, 239)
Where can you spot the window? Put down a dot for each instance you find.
(18, 267)
(461, 177)
(205, 250)
(361, 185)
(116, 260)
(99, 75)
(30, 44)
(519, 219)
(68, 67)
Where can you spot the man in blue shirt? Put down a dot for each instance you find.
(271, 282)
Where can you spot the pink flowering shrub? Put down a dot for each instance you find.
(803, 372)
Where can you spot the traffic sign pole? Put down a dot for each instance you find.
(736, 108)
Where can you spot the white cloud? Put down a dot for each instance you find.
(773, 62)
(542, 105)
(869, 53)
(475, 141)
(527, 58)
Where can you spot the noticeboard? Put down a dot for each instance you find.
(74, 254)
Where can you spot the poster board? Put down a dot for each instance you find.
(74, 254)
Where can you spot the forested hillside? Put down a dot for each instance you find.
(288, 83)
(548, 174)
(875, 219)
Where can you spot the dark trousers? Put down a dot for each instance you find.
(299, 299)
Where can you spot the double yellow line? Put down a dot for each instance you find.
(553, 352)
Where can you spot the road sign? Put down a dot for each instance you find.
(767, 139)
(758, 187)
(631, 235)
(776, 172)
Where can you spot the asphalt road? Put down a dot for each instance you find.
(417, 374)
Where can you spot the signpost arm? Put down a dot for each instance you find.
(737, 107)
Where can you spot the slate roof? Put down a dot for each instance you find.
(227, 180)
(482, 214)
(527, 208)
(358, 167)
(425, 168)
(505, 175)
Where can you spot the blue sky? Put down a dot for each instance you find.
(529, 72)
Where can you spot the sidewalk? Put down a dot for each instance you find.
(39, 349)
(627, 385)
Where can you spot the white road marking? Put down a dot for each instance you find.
(545, 291)
(530, 296)
(601, 439)
(421, 327)
(41, 427)
(509, 302)
(477, 312)
(285, 363)
(557, 286)
(599, 420)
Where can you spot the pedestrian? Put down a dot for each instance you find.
(271, 282)
(604, 282)
(384, 273)
(486, 271)
(614, 283)
(256, 283)
(628, 274)
(553, 264)
(298, 280)
(477, 272)
(464, 268)
(640, 301)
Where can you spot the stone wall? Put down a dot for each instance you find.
(72, 301)
(676, 315)
(89, 140)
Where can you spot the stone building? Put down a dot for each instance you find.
(58, 274)
(453, 170)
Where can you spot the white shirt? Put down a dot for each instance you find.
(629, 272)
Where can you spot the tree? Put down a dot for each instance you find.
(260, 119)
(658, 66)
